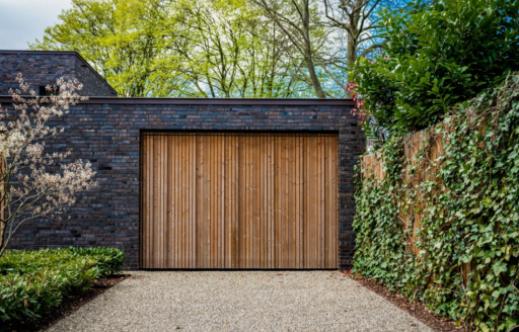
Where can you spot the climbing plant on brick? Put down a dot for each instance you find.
(463, 259)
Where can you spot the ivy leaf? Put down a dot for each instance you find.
(499, 267)
(487, 202)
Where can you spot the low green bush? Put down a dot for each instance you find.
(108, 260)
(34, 283)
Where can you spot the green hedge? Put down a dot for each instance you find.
(467, 262)
(34, 283)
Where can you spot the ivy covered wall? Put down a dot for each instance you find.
(437, 213)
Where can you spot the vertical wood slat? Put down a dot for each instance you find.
(215, 200)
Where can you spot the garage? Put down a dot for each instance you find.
(201, 183)
(239, 200)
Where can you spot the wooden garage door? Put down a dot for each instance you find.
(236, 200)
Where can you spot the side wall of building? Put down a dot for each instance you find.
(93, 83)
(108, 135)
(44, 68)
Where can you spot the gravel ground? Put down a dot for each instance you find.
(239, 301)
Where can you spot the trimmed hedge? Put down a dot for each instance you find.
(34, 283)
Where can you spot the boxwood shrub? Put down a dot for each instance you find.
(34, 283)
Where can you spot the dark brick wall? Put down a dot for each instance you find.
(108, 132)
(40, 68)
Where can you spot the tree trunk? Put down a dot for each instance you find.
(309, 61)
(316, 84)
(2, 205)
(351, 50)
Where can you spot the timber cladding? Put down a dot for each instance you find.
(239, 200)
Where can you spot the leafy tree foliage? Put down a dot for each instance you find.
(303, 27)
(360, 21)
(198, 48)
(123, 40)
(437, 53)
(227, 49)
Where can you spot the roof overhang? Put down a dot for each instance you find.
(210, 101)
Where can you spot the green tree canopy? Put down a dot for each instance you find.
(193, 48)
(437, 53)
(122, 39)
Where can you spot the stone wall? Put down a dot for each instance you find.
(107, 132)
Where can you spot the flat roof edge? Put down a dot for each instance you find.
(219, 101)
(211, 101)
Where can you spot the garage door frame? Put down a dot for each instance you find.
(245, 132)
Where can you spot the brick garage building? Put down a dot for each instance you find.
(122, 211)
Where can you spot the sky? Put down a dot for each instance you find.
(22, 21)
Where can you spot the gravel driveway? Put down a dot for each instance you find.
(239, 301)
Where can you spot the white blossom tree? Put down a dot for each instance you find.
(35, 184)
